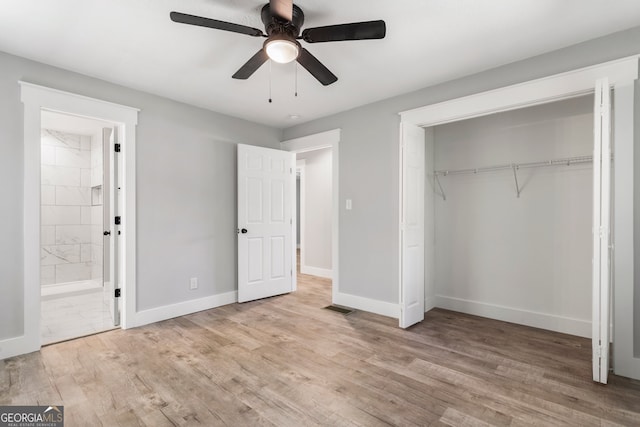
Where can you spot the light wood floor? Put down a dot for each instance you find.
(285, 361)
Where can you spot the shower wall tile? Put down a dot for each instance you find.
(48, 235)
(48, 195)
(47, 275)
(96, 273)
(85, 215)
(60, 139)
(96, 233)
(59, 254)
(60, 215)
(73, 234)
(96, 254)
(48, 155)
(86, 142)
(85, 252)
(85, 177)
(54, 175)
(73, 196)
(73, 158)
(96, 215)
(96, 157)
(66, 207)
(96, 144)
(96, 176)
(73, 272)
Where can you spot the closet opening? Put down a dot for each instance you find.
(425, 258)
(512, 201)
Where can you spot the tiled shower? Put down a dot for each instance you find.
(71, 213)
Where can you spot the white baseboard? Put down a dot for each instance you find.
(165, 312)
(16, 346)
(535, 319)
(316, 271)
(365, 304)
(429, 303)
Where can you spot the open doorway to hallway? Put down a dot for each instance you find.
(314, 206)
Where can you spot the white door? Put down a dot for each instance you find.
(412, 225)
(111, 199)
(601, 231)
(266, 201)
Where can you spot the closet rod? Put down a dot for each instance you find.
(557, 162)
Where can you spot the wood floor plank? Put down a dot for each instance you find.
(286, 361)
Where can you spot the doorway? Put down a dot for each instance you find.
(314, 212)
(37, 99)
(329, 140)
(77, 296)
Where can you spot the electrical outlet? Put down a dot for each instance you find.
(194, 283)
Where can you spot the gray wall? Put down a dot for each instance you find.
(319, 202)
(529, 253)
(369, 164)
(186, 186)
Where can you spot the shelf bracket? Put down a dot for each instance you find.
(444, 197)
(514, 167)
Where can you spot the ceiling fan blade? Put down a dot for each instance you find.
(282, 9)
(251, 65)
(315, 67)
(354, 31)
(200, 21)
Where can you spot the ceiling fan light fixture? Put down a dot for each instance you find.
(281, 50)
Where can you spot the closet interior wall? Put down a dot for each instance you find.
(525, 259)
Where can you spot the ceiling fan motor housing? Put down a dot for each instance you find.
(274, 25)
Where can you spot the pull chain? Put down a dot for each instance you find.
(270, 81)
(295, 64)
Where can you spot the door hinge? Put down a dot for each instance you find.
(117, 220)
(117, 147)
(116, 292)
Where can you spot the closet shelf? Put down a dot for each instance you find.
(568, 161)
(514, 167)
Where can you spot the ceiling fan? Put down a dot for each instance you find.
(282, 22)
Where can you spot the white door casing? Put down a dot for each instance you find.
(266, 192)
(601, 230)
(412, 284)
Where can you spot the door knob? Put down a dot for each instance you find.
(106, 233)
(243, 231)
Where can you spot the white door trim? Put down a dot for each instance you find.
(36, 98)
(328, 139)
(534, 92)
(622, 74)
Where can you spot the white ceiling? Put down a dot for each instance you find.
(134, 43)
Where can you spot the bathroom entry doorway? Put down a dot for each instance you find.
(78, 245)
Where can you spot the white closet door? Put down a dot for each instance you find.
(412, 226)
(601, 230)
(266, 186)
